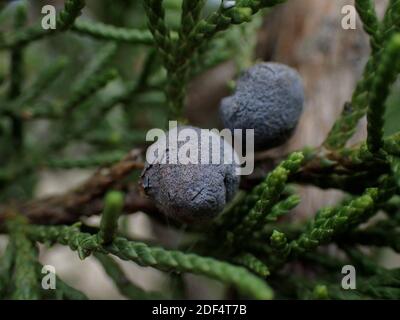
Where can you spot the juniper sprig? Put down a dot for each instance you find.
(252, 263)
(274, 186)
(114, 202)
(102, 31)
(62, 292)
(24, 276)
(371, 24)
(93, 112)
(72, 9)
(6, 267)
(385, 76)
(124, 285)
(154, 257)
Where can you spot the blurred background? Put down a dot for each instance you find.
(305, 34)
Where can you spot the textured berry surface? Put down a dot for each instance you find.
(191, 192)
(269, 98)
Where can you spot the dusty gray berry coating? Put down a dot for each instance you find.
(269, 98)
(191, 192)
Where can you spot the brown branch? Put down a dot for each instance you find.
(87, 199)
(325, 169)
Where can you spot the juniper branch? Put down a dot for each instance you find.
(124, 285)
(87, 199)
(344, 127)
(178, 55)
(275, 184)
(102, 31)
(384, 78)
(391, 23)
(159, 258)
(62, 291)
(72, 9)
(99, 62)
(43, 81)
(16, 75)
(380, 33)
(280, 245)
(114, 202)
(25, 280)
(239, 13)
(252, 263)
(371, 24)
(91, 86)
(191, 10)
(102, 108)
(282, 208)
(92, 161)
(6, 268)
(395, 166)
(17, 107)
(379, 235)
(68, 292)
(157, 26)
(332, 221)
(244, 281)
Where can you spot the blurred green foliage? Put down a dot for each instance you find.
(392, 117)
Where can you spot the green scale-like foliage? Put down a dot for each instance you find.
(108, 106)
